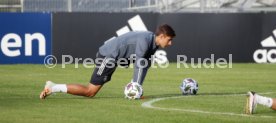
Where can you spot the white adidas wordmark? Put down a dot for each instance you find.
(264, 55)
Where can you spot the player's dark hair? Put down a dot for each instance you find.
(165, 29)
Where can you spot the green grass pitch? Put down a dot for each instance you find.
(221, 93)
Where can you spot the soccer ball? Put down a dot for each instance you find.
(133, 90)
(189, 86)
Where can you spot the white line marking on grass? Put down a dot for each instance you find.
(37, 74)
(148, 104)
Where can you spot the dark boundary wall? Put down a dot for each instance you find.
(198, 35)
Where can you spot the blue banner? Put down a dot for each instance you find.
(25, 37)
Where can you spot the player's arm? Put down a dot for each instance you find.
(141, 64)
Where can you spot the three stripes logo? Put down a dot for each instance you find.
(268, 54)
(137, 24)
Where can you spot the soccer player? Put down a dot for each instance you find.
(253, 99)
(142, 44)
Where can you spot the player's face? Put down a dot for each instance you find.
(165, 41)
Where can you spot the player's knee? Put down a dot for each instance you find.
(90, 93)
(92, 90)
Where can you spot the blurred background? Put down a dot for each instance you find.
(245, 29)
(161, 6)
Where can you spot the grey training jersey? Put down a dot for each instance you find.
(140, 43)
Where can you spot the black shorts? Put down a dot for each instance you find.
(103, 70)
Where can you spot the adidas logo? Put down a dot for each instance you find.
(269, 42)
(267, 55)
(137, 24)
